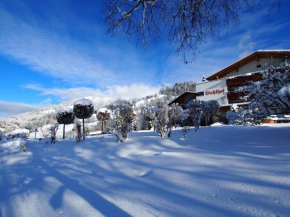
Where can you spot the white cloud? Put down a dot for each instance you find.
(77, 60)
(12, 108)
(133, 91)
(214, 57)
(246, 45)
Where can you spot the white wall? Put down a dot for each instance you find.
(252, 66)
(213, 90)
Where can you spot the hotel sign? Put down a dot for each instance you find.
(213, 90)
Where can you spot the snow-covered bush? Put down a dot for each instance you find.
(23, 145)
(83, 109)
(116, 125)
(122, 120)
(1, 135)
(195, 112)
(146, 118)
(65, 116)
(127, 114)
(161, 117)
(53, 129)
(238, 116)
(174, 116)
(284, 96)
(141, 122)
(209, 108)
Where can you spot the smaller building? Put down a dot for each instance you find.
(184, 98)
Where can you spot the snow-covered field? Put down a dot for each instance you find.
(217, 171)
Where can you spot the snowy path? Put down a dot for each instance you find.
(218, 171)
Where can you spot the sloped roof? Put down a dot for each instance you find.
(186, 92)
(254, 56)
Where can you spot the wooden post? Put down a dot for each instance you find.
(63, 136)
(84, 137)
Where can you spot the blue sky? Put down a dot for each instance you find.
(52, 51)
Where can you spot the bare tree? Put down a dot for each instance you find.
(103, 117)
(127, 114)
(161, 117)
(189, 22)
(174, 115)
(52, 130)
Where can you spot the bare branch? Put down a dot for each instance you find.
(188, 23)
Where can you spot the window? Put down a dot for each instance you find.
(188, 98)
(200, 94)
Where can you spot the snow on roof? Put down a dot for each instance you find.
(284, 91)
(83, 101)
(278, 50)
(244, 61)
(278, 117)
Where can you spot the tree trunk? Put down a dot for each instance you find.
(102, 127)
(84, 135)
(63, 136)
(169, 132)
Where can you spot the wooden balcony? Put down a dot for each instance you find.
(243, 80)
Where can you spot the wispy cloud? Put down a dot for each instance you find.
(133, 91)
(246, 45)
(258, 30)
(76, 60)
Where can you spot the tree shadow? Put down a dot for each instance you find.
(95, 200)
(108, 164)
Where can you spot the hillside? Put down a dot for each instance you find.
(206, 174)
(46, 115)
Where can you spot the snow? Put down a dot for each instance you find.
(83, 102)
(63, 110)
(19, 131)
(218, 124)
(220, 170)
(43, 114)
(143, 101)
(104, 110)
(284, 91)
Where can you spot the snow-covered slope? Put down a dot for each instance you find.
(218, 171)
(47, 116)
(21, 120)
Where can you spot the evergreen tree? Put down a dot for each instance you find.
(83, 109)
(65, 116)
